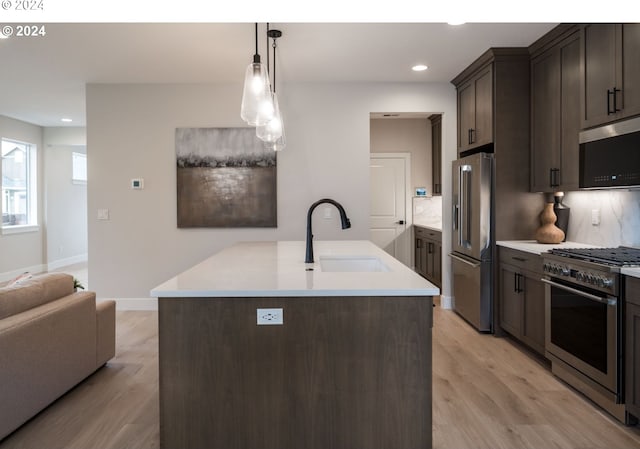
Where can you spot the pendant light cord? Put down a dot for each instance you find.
(268, 67)
(256, 56)
(274, 65)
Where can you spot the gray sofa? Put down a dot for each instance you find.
(51, 338)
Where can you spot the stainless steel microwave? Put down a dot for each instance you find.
(610, 156)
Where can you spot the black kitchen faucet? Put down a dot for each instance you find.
(343, 218)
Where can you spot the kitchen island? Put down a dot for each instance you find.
(343, 359)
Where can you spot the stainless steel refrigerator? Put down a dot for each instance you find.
(472, 245)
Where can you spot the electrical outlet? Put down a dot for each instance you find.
(595, 217)
(327, 213)
(269, 317)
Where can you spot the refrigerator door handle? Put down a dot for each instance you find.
(456, 212)
(465, 261)
(465, 205)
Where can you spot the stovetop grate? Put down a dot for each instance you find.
(621, 256)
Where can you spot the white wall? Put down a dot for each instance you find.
(25, 251)
(409, 135)
(130, 133)
(66, 203)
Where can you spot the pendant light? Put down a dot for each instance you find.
(272, 133)
(257, 104)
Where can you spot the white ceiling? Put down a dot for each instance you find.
(43, 78)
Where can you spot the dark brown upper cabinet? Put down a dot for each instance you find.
(436, 153)
(611, 73)
(555, 106)
(475, 110)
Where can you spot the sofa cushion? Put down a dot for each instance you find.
(34, 292)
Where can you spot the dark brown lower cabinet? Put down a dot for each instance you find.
(428, 254)
(340, 373)
(632, 352)
(521, 298)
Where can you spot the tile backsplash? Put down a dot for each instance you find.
(428, 211)
(619, 212)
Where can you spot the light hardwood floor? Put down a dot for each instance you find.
(487, 393)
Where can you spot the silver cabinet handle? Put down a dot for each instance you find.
(610, 301)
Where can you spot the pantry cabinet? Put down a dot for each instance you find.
(436, 153)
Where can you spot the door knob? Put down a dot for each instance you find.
(400, 222)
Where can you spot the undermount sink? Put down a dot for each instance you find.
(352, 264)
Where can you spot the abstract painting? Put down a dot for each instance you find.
(226, 179)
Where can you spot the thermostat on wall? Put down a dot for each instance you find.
(137, 183)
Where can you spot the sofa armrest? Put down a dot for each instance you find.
(105, 331)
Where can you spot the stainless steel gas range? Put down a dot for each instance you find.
(584, 309)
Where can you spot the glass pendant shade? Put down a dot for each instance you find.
(257, 106)
(279, 144)
(272, 130)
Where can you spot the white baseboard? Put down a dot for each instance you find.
(446, 302)
(8, 275)
(54, 265)
(134, 303)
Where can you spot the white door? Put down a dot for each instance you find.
(388, 221)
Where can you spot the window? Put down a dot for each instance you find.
(79, 161)
(19, 186)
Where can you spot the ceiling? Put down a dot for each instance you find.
(43, 78)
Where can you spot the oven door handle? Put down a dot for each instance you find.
(610, 301)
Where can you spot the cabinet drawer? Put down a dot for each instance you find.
(429, 234)
(632, 290)
(520, 259)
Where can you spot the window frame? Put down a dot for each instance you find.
(32, 190)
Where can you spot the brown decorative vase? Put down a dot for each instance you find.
(548, 232)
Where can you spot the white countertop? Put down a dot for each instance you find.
(432, 226)
(277, 269)
(531, 246)
(629, 271)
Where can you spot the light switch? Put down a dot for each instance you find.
(103, 214)
(595, 217)
(327, 213)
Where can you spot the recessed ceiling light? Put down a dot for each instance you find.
(66, 120)
(456, 22)
(419, 68)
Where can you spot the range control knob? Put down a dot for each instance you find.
(565, 271)
(545, 267)
(607, 282)
(580, 276)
